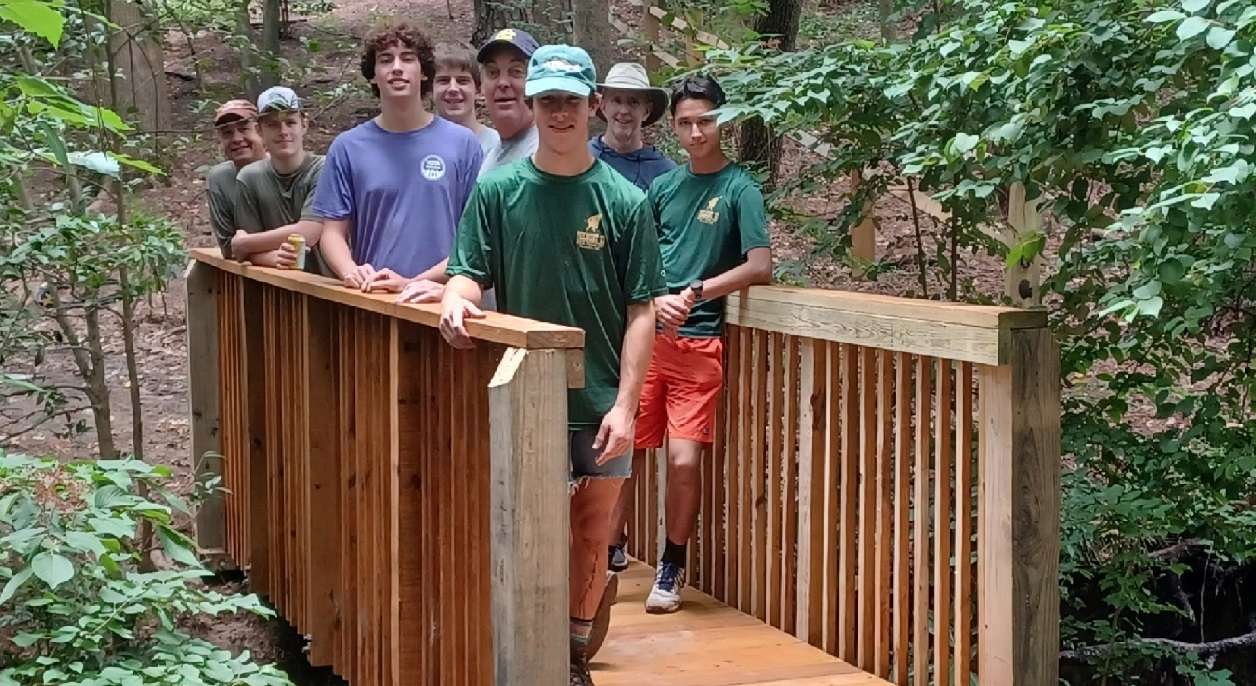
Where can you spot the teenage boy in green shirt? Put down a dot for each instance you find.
(713, 235)
(564, 238)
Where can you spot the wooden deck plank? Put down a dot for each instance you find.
(707, 643)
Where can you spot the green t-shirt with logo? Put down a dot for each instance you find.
(706, 223)
(571, 250)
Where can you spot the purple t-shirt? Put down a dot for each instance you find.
(403, 192)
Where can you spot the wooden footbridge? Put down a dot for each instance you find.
(881, 505)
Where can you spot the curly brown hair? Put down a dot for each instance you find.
(406, 35)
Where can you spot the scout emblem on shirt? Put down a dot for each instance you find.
(709, 215)
(591, 238)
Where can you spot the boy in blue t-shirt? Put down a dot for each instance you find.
(393, 188)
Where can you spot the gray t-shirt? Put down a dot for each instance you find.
(489, 139)
(269, 200)
(511, 150)
(220, 182)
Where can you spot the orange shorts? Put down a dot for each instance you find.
(681, 391)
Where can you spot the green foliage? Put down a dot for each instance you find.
(73, 606)
(1131, 123)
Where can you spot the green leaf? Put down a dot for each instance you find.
(1219, 37)
(85, 542)
(1172, 270)
(1206, 201)
(963, 143)
(1195, 5)
(1165, 16)
(1193, 26)
(14, 584)
(34, 16)
(1244, 112)
(177, 547)
(25, 639)
(1151, 307)
(137, 164)
(99, 162)
(52, 568)
(1147, 290)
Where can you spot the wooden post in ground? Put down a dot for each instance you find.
(530, 526)
(1023, 280)
(202, 339)
(863, 237)
(1019, 529)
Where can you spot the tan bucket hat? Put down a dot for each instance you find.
(630, 76)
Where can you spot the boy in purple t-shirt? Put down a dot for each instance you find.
(393, 188)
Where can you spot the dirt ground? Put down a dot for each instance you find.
(161, 339)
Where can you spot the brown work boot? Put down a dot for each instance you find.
(602, 620)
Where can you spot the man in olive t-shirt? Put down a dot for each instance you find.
(713, 235)
(276, 194)
(235, 125)
(564, 238)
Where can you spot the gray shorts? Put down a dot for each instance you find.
(583, 459)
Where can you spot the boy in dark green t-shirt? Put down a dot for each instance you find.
(713, 236)
(562, 237)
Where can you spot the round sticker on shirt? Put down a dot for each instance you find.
(433, 168)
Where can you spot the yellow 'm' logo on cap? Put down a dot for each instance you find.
(505, 34)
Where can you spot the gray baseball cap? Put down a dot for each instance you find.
(277, 99)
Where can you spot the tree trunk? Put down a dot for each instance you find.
(247, 51)
(98, 386)
(759, 146)
(493, 15)
(885, 9)
(272, 19)
(591, 30)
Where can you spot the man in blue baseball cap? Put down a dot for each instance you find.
(562, 207)
(503, 67)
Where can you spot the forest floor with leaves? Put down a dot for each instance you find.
(323, 54)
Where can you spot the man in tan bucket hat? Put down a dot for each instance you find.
(630, 103)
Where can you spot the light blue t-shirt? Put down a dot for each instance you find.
(403, 192)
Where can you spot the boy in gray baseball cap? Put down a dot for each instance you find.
(277, 193)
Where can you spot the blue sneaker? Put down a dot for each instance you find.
(665, 596)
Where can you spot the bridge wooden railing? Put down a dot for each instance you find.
(365, 494)
(885, 484)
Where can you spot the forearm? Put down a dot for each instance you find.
(464, 287)
(269, 240)
(436, 273)
(335, 248)
(757, 269)
(265, 258)
(635, 357)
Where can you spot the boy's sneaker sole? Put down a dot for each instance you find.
(602, 620)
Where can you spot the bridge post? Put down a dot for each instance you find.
(530, 520)
(202, 340)
(1019, 528)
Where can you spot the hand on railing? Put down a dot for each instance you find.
(358, 276)
(422, 291)
(454, 312)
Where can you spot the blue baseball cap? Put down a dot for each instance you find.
(563, 68)
(517, 38)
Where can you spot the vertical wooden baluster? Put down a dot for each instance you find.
(745, 524)
(789, 528)
(732, 462)
(865, 632)
(832, 499)
(963, 523)
(942, 526)
(920, 637)
(885, 511)
(774, 478)
(758, 476)
(849, 523)
(812, 421)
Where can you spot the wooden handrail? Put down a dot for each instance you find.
(505, 329)
(957, 331)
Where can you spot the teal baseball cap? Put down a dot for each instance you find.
(563, 68)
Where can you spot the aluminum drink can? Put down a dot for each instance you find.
(297, 241)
